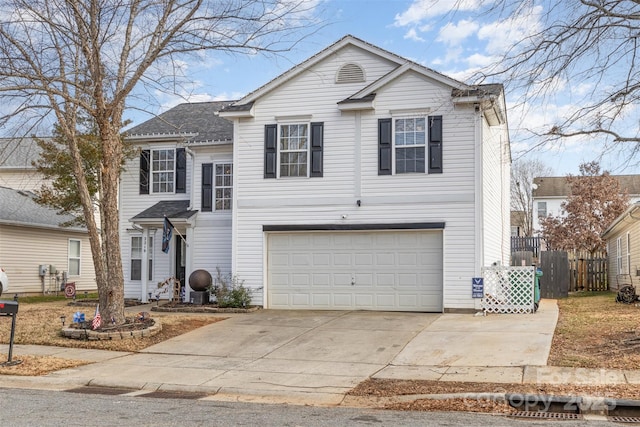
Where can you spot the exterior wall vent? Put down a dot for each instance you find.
(350, 73)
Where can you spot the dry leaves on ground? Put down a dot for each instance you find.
(40, 324)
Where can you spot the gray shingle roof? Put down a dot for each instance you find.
(170, 208)
(557, 186)
(18, 152)
(18, 207)
(199, 118)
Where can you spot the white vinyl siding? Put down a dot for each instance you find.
(351, 172)
(628, 253)
(42, 246)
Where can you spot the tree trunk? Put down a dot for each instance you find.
(111, 293)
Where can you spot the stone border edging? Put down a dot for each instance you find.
(203, 309)
(88, 334)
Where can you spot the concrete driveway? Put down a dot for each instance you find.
(317, 356)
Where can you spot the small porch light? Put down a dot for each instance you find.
(63, 318)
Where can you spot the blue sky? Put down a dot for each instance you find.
(425, 31)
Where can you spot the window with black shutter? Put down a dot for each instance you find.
(144, 171)
(294, 150)
(270, 150)
(181, 170)
(207, 187)
(384, 146)
(435, 144)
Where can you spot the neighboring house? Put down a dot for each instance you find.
(31, 237)
(517, 223)
(623, 248)
(551, 191)
(16, 169)
(356, 180)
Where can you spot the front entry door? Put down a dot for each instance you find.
(181, 252)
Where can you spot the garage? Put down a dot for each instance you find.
(385, 270)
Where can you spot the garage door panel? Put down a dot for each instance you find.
(355, 270)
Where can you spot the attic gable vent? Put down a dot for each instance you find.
(350, 73)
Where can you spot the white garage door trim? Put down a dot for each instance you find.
(397, 269)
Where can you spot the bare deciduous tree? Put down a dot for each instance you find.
(596, 199)
(585, 51)
(73, 59)
(522, 174)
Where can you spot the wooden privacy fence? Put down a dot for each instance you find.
(588, 272)
(565, 272)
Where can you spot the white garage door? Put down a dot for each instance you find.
(355, 270)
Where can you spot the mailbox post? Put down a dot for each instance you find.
(10, 308)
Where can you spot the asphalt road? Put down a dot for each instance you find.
(51, 408)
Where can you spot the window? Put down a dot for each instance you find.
(628, 253)
(163, 166)
(619, 255)
(224, 186)
(137, 255)
(410, 141)
(542, 209)
(163, 171)
(74, 257)
(293, 150)
(410, 145)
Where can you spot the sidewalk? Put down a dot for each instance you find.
(315, 358)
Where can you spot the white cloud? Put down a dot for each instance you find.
(501, 35)
(453, 34)
(413, 35)
(420, 10)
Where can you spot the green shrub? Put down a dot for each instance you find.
(230, 292)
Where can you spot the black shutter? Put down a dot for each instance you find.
(270, 150)
(181, 170)
(384, 147)
(435, 144)
(317, 136)
(207, 187)
(144, 171)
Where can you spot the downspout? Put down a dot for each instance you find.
(193, 172)
(480, 223)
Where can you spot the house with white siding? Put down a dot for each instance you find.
(184, 172)
(623, 249)
(41, 250)
(37, 250)
(359, 180)
(550, 192)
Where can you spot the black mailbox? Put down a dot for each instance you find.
(8, 308)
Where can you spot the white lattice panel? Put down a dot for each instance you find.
(509, 289)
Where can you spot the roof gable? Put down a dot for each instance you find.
(403, 65)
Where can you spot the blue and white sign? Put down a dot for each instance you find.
(477, 287)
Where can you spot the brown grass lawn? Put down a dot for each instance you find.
(594, 331)
(39, 323)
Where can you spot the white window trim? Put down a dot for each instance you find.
(79, 257)
(150, 256)
(279, 151)
(628, 253)
(546, 210)
(152, 172)
(215, 186)
(619, 255)
(405, 116)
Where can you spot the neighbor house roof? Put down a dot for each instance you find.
(19, 208)
(18, 153)
(557, 186)
(193, 122)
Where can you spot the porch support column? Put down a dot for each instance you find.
(144, 268)
(188, 262)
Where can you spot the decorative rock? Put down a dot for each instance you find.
(200, 280)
